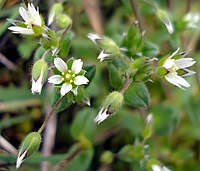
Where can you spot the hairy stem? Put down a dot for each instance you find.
(63, 163)
(126, 86)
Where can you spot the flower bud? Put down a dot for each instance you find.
(56, 9)
(108, 46)
(107, 157)
(164, 17)
(141, 69)
(147, 130)
(111, 105)
(39, 75)
(28, 146)
(64, 21)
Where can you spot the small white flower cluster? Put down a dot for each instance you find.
(67, 77)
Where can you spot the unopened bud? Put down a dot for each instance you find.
(28, 146)
(56, 9)
(148, 129)
(107, 157)
(164, 17)
(64, 21)
(111, 105)
(108, 46)
(141, 69)
(39, 75)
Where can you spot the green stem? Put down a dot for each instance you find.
(49, 115)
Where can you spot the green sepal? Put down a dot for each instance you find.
(115, 76)
(56, 96)
(90, 72)
(82, 96)
(38, 30)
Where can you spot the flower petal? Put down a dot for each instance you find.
(20, 30)
(34, 14)
(77, 66)
(79, 80)
(101, 116)
(188, 72)
(93, 37)
(65, 89)
(60, 65)
(55, 79)
(74, 90)
(24, 14)
(184, 62)
(174, 53)
(177, 80)
(37, 85)
(156, 167)
(21, 158)
(168, 63)
(103, 55)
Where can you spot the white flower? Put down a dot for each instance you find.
(31, 17)
(68, 77)
(172, 66)
(192, 19)
(159, 168)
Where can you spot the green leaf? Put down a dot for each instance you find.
(165, 118)
(193, 109)
(64, 102)
(83, 124)
(81, 161)
(132, 41)
(137, 95)
(115, 77)
(91, 70)
(27, 47)
(65, 44)
(150, 49)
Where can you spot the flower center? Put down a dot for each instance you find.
(68, 76)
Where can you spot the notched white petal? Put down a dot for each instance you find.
(101, 116)
(37, 85)
(184, 62)
(77, 66)
(20, 30)
(65, 89)
(55, 79)
(93, 37)
(103, 55)
(20, 159)
(80, 80)
(60, 65)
